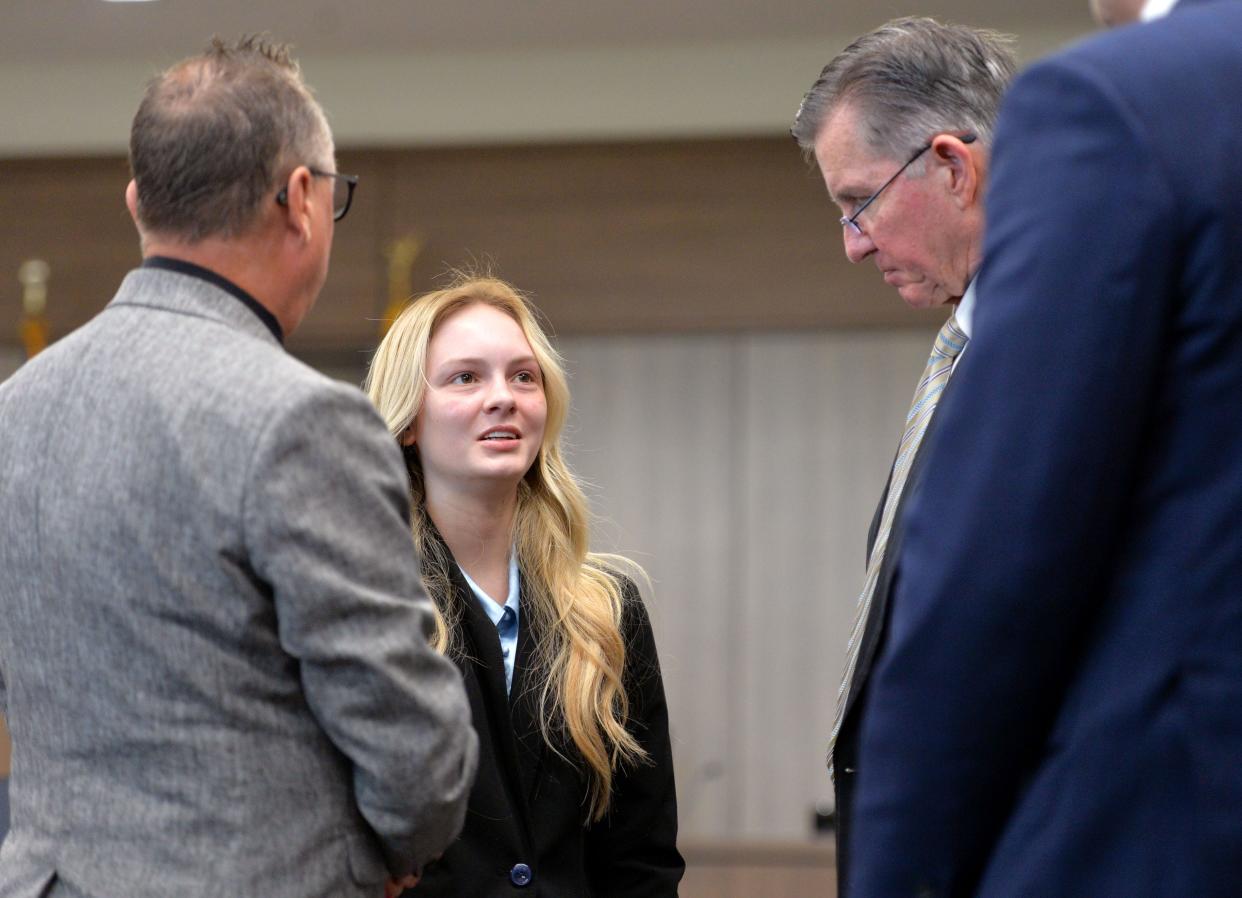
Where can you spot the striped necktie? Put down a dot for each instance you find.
(949, 344)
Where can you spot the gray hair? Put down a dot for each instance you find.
(910, 79)
(216, 133)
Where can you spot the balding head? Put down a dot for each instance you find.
(218, 132)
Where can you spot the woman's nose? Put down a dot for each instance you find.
(499, 394)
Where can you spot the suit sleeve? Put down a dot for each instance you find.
(326, 526)
(1010, 539)
(632, 852)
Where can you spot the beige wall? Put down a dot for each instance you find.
(72, 106)
(741, 470)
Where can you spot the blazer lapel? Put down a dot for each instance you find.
(524, 702)
(485, 663)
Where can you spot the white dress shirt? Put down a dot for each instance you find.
(965, 315)
(1156, 9)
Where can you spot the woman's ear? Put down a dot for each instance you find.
(407, 436)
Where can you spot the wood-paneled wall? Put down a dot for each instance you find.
(609, 238)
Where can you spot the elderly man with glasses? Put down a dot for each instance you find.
(900, 123)
(214, 653)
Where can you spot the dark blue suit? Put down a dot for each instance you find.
(1057, 708)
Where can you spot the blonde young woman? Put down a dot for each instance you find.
(574, 796)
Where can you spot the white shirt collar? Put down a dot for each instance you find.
(965, 313)
(1156, 9)
(494, 609)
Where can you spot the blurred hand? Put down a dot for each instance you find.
(394, 887)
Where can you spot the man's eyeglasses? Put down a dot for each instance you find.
(850, 222)
(342, 191)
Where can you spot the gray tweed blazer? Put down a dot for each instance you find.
(212, 630)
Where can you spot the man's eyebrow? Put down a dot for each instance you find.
(848, 195)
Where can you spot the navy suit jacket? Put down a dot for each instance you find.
(1057, 707)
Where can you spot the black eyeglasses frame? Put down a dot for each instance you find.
(282, 196)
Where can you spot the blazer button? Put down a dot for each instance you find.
(520, 875)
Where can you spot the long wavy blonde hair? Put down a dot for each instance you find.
(573, 596)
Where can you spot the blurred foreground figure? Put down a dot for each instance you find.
(1058, 707)
(213, 640)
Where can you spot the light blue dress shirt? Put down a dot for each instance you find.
(505, 616)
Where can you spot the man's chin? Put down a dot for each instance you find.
(921, 297)
(917, 298)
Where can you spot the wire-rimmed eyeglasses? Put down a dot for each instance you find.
(850, 222)
(342, 191)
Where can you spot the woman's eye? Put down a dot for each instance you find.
(464, 378)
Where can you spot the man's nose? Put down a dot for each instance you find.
(858, 245)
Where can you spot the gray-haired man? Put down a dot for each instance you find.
(213, 651)
(900, 123)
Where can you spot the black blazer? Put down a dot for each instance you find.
(845, 754)
(526, 831)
